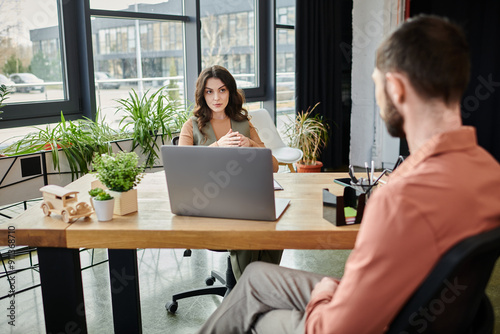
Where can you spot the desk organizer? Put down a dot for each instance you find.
(333, 206)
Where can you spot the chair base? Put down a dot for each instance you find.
(290, 166)
(228, 282)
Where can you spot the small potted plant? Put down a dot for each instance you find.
(310, 134)
(120, 173)
(103, 206)
(93, 193)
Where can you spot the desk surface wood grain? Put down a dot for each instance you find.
(154, 226)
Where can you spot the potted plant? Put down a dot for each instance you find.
(77, 141)
(103, 204)
(309, 133)
(148, 118)
(120, 173)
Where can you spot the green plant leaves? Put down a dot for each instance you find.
(118, 172)
(148, 116)
(309, 133)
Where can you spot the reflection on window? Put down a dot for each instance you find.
(31, 62)
(285, 12)
(120, 67)
(285, 72)
(228, 38)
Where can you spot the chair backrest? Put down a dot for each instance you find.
(452, 298)
(266, 129)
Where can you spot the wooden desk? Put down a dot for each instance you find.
(154, 226)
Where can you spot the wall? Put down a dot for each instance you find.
(372, 20)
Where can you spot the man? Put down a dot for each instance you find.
(446, 190)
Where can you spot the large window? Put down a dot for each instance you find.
(39, 63)
(136, 54)
(90, 53)
(228, 38)
(285, 61)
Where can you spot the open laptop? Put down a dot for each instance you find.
(221, 182)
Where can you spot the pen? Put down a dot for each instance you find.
(376, 181)
(367, 172)
(351, 174)
(398, 162)
(372, 171)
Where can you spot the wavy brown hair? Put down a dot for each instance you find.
(234, 109)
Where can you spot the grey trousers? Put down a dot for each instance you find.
(240, 259)
(267, 299)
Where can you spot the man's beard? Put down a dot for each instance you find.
(392, 118)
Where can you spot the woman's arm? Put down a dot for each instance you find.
(186, 136)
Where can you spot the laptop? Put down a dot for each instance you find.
(221, 182)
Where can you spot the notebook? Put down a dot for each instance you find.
(221, 182)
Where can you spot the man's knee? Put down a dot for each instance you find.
(257, 270)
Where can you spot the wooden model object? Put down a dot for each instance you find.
(64, 202)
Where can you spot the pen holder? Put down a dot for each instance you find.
(333, 206)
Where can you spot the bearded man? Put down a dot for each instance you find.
(448, 189)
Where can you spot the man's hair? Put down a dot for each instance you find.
(433, 53)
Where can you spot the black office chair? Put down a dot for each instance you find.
(227, 280)
(452, 298)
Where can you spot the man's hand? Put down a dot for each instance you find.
(325, 287)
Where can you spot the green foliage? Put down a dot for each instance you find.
(147, 117)
(118, 172)
(4, 91)
(78, 140)
(14, 65)
(308, 133)
(95, 191)
(103, 196)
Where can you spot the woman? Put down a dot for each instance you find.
(220, 120)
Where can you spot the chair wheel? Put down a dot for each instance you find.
(187, 253)
(210, 281)
(172, 307)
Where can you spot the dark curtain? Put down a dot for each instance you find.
(481, 101)
(323, 70)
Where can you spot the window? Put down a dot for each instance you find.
(285, 59)
(98, 50)
(227, 38)
(136, 54)
(39, 62)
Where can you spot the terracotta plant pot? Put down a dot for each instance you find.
(309, 168)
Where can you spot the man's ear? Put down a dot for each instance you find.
(395, 87)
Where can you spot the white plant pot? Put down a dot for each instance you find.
(104, 209)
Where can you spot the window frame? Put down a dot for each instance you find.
(77, 53)
(34, 112)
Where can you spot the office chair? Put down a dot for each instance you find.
(270, 137)
(227, 280)
(452, 298)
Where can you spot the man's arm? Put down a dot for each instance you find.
(394, 252)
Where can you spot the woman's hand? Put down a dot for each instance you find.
(230, 139)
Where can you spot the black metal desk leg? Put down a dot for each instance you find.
(62, 290)
(124, 278)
